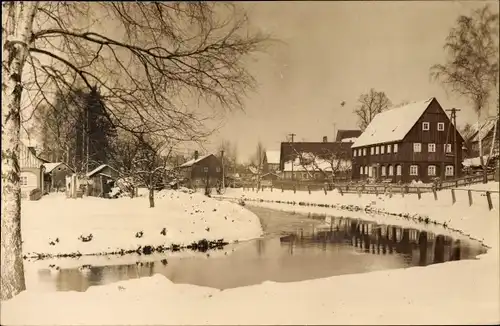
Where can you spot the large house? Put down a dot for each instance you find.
(412, 142)
(271, 161)
(315, 160)
(199, 168)
(32, 170)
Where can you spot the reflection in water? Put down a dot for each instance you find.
(348, 246)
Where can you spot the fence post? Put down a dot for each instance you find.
(390, 191)
(324, 189)
(418, 193)
(402, 192)
(470, 197)
(347, 188)
(359, 192)
(490, 203)
(435, 193)
(453, 198)
(309, 189)
(294, 189)
(341, 192)
(282, 189)
(376, 191)
(456, 183)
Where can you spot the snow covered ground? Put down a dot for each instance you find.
(55, 224)
(461, 292)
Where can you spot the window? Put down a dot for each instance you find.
(431, 148)
(417, 147)
(413, 169)
(448, 170)
(354, 152)
(382, 171)
(364, 151)
(398, 169)
(440, 126)
(372, 150)
(360, 170)
(389, 147)
(431, 170)
(366, 170)
(391, 170)
(395, 148)
(205, 169)
(370, 172)
(24, 180)
(382, 149)
(426, 126)
(377, 150)
(217, 169)
(447, 148)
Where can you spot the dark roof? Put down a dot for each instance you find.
(347, 133)
(320, 149)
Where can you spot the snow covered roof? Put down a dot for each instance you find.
(194, 161)
(347, 133)
(349, 140)
(273, 157)
(392, 125)
(49, 167)
(484, 129)
(98, 169)
(253, 169)
(474, 161)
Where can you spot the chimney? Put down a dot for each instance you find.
(196, 155)
(325, 139)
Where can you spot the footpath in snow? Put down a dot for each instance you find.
(459, 292)
(56, 225)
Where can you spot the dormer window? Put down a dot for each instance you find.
(426, 126)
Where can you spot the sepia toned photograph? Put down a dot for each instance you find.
(250, 163)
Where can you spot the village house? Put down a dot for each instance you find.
(55, 176)
(412, 142)
(101, 180)
(200, 168)
(319, 161)
(271, 161)
(32, 171)
(485, 133)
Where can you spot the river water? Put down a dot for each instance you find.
(295, 248)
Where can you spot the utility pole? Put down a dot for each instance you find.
(222, 163)
(454, 118)
(293, 160)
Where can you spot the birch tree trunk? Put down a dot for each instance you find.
(17, 24)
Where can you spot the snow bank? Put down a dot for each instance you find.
(56, 225)
(461, 292)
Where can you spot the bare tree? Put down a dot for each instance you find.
(369, 105)
(467, 131)
(257, 161)
(148, 57)
(471, 69)
(229, 159)
(328, 162)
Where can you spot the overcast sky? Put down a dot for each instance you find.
(333, 52)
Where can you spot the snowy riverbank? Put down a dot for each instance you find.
(56, 225)
(460, 292)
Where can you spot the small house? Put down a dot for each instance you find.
(201, 169)
(55, 176)
(101, 180)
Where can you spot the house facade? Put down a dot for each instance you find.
(412, 142)
(271, 161)
(32, 170)
(307, 161)
(201, 168)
